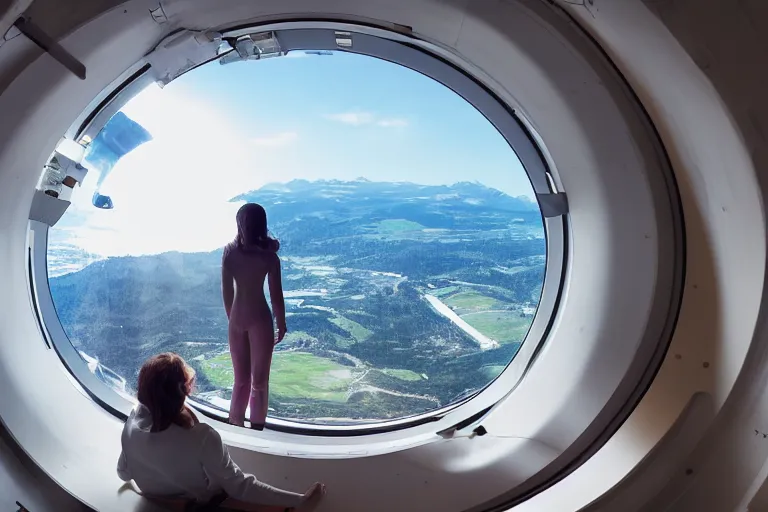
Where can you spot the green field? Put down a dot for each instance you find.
(357, 331)
(442, 292)
(292, 336)
(502, 326)
(219, 370)
(407, 375)
(390, 226)
(471, 301)
(342, 342)
(293, 375)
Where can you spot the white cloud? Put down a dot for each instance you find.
(359, 118)
(393, 122)
(353, 118)
(278, 139)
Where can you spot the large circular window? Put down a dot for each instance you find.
(413, 246)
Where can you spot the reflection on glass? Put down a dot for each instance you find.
(413, 252)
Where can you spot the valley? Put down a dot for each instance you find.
(400, 299)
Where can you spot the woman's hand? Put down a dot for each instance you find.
(312, 497)
(281, 330)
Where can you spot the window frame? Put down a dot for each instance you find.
(421, 57)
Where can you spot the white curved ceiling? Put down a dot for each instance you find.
(691, 65)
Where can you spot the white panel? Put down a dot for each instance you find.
(589, 131)
(47, 209)
(725, 232)
(19, 484)
(438, 20)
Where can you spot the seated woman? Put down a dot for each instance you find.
(169, 453)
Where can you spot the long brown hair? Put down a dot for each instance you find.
(165, 381)
(252, 228)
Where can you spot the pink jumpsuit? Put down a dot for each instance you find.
(251, 331)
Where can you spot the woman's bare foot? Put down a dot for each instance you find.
(312, 497)
(257, 426)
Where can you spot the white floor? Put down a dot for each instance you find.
(17, 483)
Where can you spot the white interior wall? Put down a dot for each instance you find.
(714, 143)
(20, 483)
(492, 465)
(702, 96)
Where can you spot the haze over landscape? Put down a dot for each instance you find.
(408, 286)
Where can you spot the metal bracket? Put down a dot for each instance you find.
(158, 15)
(180, 52)
(50, 46)
(553, 205)
(257, 46)
(343, 39)
(10, 34)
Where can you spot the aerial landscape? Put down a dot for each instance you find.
(412, 250)
(401, 298)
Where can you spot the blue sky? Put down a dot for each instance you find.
(347, 115)
(219, 131)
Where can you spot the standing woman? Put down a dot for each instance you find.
(246, 262)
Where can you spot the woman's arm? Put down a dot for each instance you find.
(276, 295)
(227, 288)
(223, 471)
